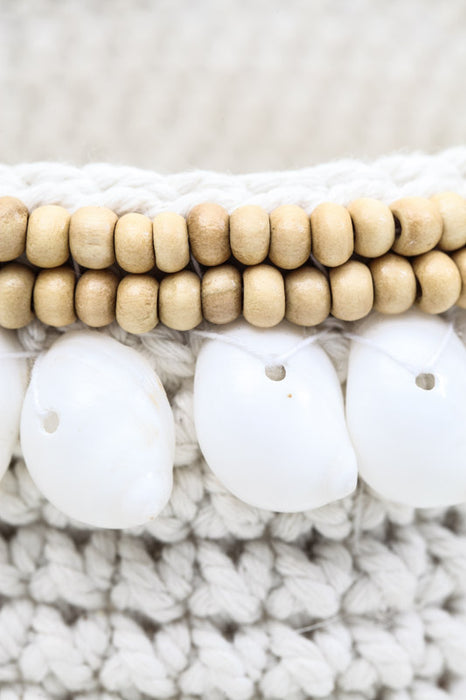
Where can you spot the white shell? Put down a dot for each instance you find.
(97, 431)
(13, 384)
(278, 445)
(410, 441)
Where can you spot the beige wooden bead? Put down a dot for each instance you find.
(290, 237)
(221, 294)
(16, 283)
(54, 296)
(136, 303)
(134, 247)
(332, 234)
(421, 225)
(459, 258)
(13, 224)
(91, 237)
(249, 234)
(439, 280)
(170, 241)
(180, 300)
(307, 296)
(374, 227)
(208, 229)
(47, 242)
(452, 209)
(263, 296)
(352, 291)
(394, 284)
(95, 297)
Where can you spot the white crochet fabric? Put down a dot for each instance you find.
(361, 599)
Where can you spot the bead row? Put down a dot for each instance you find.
(391, 284)
(96, 238)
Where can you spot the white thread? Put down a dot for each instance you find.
(413, 369)
(269, 360)
(14, 355)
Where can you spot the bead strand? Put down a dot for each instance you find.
(264, 295)
(286, 238)
(368, 256)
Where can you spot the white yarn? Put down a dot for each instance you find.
(215, 599)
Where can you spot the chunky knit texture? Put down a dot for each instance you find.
(361, 599)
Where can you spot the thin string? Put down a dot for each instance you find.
(13, 355)
(269, 359)
(34, 388)
(414, 369)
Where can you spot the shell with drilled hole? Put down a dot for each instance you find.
(406, 408)
(274, 435)
(97, 431)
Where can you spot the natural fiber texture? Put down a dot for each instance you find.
(357, 600)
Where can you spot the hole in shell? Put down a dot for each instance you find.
(275, 372)
(50, 422)
(425, 381)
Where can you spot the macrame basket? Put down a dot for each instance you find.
(361, 598)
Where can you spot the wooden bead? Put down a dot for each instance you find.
(249, 234)
(16, 283)
(307, 296)
(208, 229)
(180, 300)
(452, 209)
(134, 247)
(439, 280)
(170, 242)
(13, 224)
(290, 237)
(263, 296)
(221, 294)
(136, 303)
(332, 234)
(54, 296)
(459, 258)
(47, 242)
(374, 227)
(95, 297)
(352, 291)
(91, 237)
(394, 284)
(421, 225)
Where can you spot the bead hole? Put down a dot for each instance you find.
(50, 422)
(275, 372)
(425, 381)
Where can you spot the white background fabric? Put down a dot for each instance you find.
(229, 85)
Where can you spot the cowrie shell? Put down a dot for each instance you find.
(97, 431)
(274, 434)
